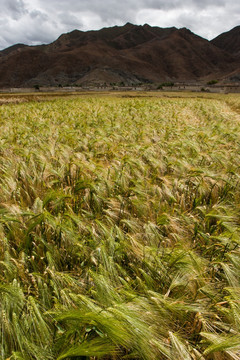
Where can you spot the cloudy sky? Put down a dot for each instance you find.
(42, 21)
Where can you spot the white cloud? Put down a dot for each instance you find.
(159, 18)
(206, 22)
(42, 21)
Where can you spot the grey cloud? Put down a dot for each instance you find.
(39, 15)
(14, 8)
(126, 10)
(70, 19)
(107, 10)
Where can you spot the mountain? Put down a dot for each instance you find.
(131, 54)
(229, 41)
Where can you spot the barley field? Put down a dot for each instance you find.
(120, 228)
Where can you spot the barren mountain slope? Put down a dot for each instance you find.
(129, 54)
(229, 41)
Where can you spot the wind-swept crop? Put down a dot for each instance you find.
(120, 228)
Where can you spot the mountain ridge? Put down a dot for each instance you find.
(229, 41)
(131, 54)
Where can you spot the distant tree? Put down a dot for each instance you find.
(167, 84)
(212, 82)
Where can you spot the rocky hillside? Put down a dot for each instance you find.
(131, 54)
(229, 41)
